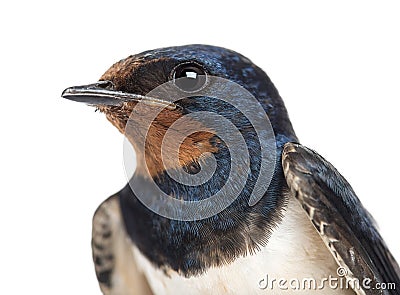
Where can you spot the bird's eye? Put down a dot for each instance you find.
(189, 77)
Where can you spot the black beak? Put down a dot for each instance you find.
(102, 93)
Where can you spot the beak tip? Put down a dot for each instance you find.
(66, 93)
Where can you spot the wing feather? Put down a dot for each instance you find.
(342, 222)
(116, 268)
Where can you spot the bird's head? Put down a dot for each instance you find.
(157, 99)
(187, 70)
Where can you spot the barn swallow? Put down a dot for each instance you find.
(308, 224)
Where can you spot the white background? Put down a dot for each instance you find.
(336, 66)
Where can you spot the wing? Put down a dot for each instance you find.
(342, 222)
(115, 265)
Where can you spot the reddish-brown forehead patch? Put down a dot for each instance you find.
(122, 72)
(118, 72)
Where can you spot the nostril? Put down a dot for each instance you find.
(105, 85)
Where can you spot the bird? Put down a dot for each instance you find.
(307, 223)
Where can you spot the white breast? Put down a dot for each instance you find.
(294, 252)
